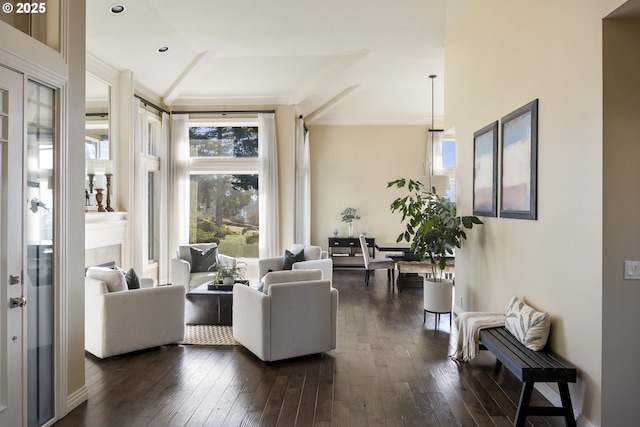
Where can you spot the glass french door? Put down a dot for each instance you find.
(12, 311)
(39, 225)
(27, 314)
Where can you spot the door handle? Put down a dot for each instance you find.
(17, 302)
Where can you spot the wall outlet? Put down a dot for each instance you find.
(632, 270)
(460, 300)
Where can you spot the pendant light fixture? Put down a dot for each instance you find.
(439, 182)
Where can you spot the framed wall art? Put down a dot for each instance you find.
(485, 171)
(518, 193)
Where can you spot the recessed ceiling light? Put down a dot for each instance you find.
(117, 9)
(163, 49)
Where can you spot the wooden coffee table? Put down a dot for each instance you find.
(209, 307)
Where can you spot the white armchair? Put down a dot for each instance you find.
(181, 274)
(296, 315)
(315, 259)
(130, 320)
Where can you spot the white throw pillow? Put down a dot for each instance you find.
(310, 252)
(529, 326)
(114, 279)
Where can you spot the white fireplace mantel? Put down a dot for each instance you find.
(105, 229)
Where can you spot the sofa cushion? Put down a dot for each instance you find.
(133, 281)
(290, 258)
(529, 326)
(310, 252)
(114, 279)
(203, 260)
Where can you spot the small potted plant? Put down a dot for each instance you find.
(349, 215)
(432, 227)
(227, 274)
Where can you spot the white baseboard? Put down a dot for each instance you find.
(76, 398)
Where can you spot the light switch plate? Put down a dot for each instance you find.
(632, 270)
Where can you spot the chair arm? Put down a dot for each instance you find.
(93, 291)
(251, 320)
(324, 265)
(180, 272)
(334, 317)
(147, 282)
(266, 264)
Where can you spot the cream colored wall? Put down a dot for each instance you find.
(351, 166)
(504, 55)
(621, 298)
(73, 212)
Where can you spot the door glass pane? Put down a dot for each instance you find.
(224, 209)
(39, 224)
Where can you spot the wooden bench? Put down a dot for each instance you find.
(531, 367)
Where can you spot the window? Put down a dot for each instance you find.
(150, 165)
(448, 164)
(224, 185)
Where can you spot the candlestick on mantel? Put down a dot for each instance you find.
(91, 176)
(108, 167)
(108, 176)
(91, 168)
(99, 200)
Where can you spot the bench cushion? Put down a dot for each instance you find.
(529, 326)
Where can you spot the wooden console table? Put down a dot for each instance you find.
(346, 252)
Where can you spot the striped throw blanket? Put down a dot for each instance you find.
(469, 325)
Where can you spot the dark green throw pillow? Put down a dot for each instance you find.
(203, 261)
(133, 282)
(291, 258)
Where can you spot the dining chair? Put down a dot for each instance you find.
(376, 264)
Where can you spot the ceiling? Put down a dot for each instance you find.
(337, 61)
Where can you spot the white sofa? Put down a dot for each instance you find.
(296, 315)
(315, 259)
(130, 320)
(181, 274)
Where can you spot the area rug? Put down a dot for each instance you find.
(208, 335)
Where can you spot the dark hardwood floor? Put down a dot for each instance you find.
(389, 369)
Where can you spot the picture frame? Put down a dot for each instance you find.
(519, 160)
(485, 171)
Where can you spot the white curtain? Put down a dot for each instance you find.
(179, 179)
(303, 185)
(268, 186)
(163, 216)
(139, 210)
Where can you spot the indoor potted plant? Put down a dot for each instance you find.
(349, 215)
(432, 227)
(228, 274)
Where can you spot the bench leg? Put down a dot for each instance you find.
(566, 405)
(523, 404)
